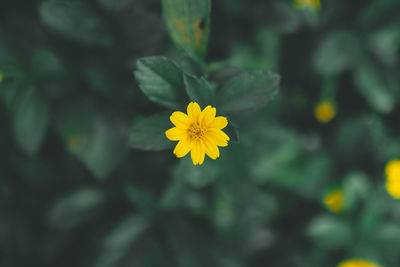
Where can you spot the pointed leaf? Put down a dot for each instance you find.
(198, 90)
(160, 80)
(188, 23)
(30, 122)
(248, 91)
(149, 133)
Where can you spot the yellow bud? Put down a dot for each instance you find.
(334, 201)
(324, 111)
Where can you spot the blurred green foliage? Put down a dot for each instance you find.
(87, 177)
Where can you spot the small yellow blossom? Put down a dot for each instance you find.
(324, 111)
(334, 201)
(1, 76)
(392, 170)
(357, 263)
(393, 188)
(316, 4)
(198, 132)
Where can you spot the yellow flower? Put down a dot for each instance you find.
(393, 188)
(324, 111)
(357, 263)
(307, 3)
(198, 132)
(392, 170)
(1, 76)
(334, 201)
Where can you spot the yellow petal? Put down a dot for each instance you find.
(194, 153)
(197, 153)
(207, 115)
(193, 111)
(180, 119)
(202, 153)
(211, 149)
(175, 134)
(219, 123)
(217, 137)
(182, 148)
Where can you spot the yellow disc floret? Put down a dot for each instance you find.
(324, 111)
(334, 201)
(199, 132)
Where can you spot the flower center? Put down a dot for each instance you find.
(196, 132)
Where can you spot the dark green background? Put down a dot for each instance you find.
(77, 188)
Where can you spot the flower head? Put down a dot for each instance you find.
(357, 263)
(1, 76)
(198, 132)
(392, 171)
(334, 200)
(324, 111)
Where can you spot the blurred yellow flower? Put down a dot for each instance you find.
(1, 76)
(334, 201)
(392, 171)
(307, 3)
(357, 263)
(324, 111)
(393, 188)
(198, 132)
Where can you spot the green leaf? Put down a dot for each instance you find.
(96, 140)
(77, 207)
(160, 80)
(336, 53)
(232, 131)
(385, 42)
(329, 232)
(248, 91)
(356, 186)
(188, 23)
(30, 122)
(75, 21)
(198, 90)
(377, 91)
(197, 176)
(119, 240)
(149, 133)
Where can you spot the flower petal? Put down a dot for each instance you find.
(180, 119)
(202, 153)
(217, 137)
(207, 115)
(194, 153)
(175, 134)
(182, 148)
(193, 111)
(219, 123)
(197, 153)
(211, 149)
